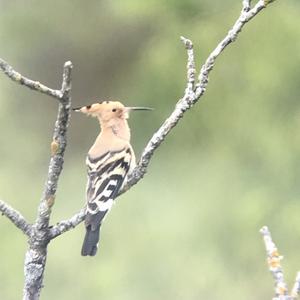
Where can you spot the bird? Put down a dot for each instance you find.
(110, 159)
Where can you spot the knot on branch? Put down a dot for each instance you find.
(187, 43)
(54, 147)
(50, 201)
(17, 77)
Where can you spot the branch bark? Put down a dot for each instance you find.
(273, 259)
(66, 225)
(35, 259)
(192, 93)
(15, 217)
(34, 85)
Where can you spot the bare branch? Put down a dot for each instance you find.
(66, 225)
(191, 69)
(34, 85)
(273, 259)
(232, 35)
(58, 147)
(66, 83)
(15, 217)
(191, 97)
(35, 259)
(246, 5)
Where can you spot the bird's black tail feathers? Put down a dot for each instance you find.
(91, 239)
(92, 235)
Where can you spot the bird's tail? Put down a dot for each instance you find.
(91, 239)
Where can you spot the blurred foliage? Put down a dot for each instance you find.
(189, 229)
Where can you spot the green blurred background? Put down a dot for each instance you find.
(190, 228)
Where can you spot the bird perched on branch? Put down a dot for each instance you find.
(109, 161)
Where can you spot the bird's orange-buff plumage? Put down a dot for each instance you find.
(109, 161)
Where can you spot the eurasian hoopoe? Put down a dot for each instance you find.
(109, 161)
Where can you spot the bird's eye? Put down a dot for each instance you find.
(114, 110)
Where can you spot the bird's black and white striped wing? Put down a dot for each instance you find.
(106, 175)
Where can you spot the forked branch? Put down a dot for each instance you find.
(35, 259)
(39, 237)
(194, 90)
(34, 85)
(15, 217)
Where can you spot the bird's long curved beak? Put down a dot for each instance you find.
(77, 108)
(139, 108)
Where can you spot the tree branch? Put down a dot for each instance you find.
(35, 259)
(246, 15)
(273, 259)
(34, 85)
(58, 147)
(66, 225)
(191, 69)
(192, 94)
(15, 217)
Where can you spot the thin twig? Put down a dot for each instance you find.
(15, 217)
(34, 85)
(66, 82)
(246, 5)
(273, 259)
(191, 69)
(66, 225)
(232, 35)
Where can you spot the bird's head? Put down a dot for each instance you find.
(106, 111)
